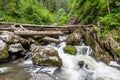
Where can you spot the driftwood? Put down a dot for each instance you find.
(29, 33)
(49, 39)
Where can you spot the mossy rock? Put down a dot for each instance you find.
(46, 62)
(74, 38)
(45, 56)
(3, 51)
(90, 41)
(10, 37)
(33, 41)
(70, 50)
(16, 49)
(116, 51)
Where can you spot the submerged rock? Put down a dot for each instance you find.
(3, 51)
(70, 50)
(5, 70)
(100, 78)
(74, 38)
(45, 56)
(41, 76)
(81, 63)
(9, 37)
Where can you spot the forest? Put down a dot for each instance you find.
(79, 37)
(60, 12)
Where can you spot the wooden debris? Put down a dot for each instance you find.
(65, 29)
(49, 39)
(29, 33)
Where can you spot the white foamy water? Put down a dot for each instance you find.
(91, 70)
(72, 70)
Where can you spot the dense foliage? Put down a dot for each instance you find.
(60, 12)
(106, 12)
(24, 11)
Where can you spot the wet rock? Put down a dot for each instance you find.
(70, 50)
(18, 60)
(81, 64)
(45, 56)
(100, 78)
(25, 43)
(112, 46)
(9, 37)
(3, 51)
(33, 41)
(5, 70)
(117, 51)
(42, 76)
(74, 38)
(100, 53)
(109, 42)
(16, 48)
(84, 50)
(89, 40)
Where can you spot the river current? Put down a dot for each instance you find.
(75, 67)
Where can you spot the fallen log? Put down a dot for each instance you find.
(6, 29)
(29, 33)
(49, 39)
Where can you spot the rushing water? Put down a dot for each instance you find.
(91, 70)
(75, 67)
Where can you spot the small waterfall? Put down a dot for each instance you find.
(77, 67)
(90, 69)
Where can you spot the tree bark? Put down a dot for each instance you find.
(49, 39)
(42, 33)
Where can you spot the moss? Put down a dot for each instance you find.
(49, 62)
(35, 42)
(70, 49)
(46, 62)
(4, 53)
(96, 54)
(90, 41)
(116, 51)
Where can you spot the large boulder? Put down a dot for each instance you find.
(109, 43)
(3, 51)
(112, 46)
(70, 50)
(9, 37)
(74, 38)
(45, 56)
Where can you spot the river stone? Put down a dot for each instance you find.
(81, 63)
(100, 78)
(74, 38)
(9, 37)
(45, 56)
(5, 70)
(15, 48)
(70, 50)
(3, 51)
(42, 76)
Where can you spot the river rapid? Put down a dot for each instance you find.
(75, 67)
